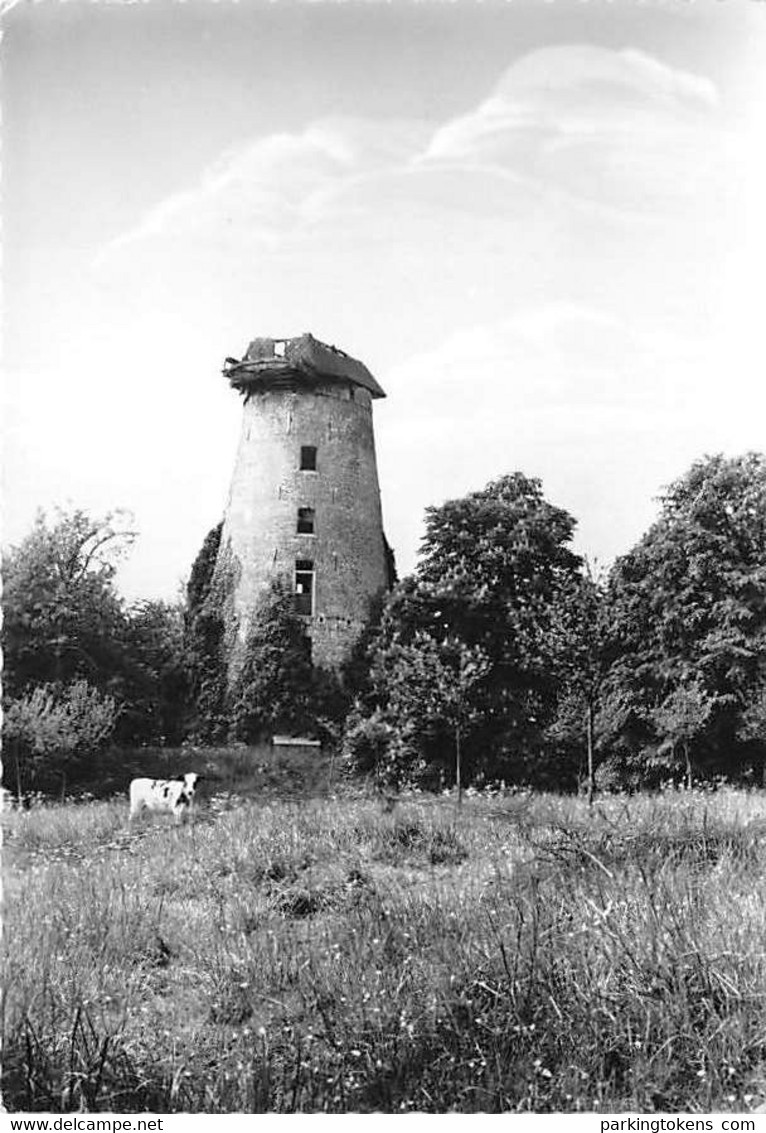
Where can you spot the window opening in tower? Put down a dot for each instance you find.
(305, 521)
(304, 586)
(308, 458)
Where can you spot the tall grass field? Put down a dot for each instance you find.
(305, 954)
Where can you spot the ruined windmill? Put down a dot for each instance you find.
(304, 504)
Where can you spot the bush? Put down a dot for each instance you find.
(367, 743)
(373, 746)
(52, 730)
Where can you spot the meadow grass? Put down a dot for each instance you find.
(523, 953)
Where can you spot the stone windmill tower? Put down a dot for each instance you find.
(304, 504)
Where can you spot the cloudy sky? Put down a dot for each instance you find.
(539, 224)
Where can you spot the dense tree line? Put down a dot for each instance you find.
(82, 668)
(501, 657)
(686, 652)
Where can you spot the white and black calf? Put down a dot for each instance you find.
(171, 796)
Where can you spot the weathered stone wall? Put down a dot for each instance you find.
(268, 487)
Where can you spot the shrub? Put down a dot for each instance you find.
(51, 730)
(367, 743)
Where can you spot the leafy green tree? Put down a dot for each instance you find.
(62, 617)
(65, 623)
(752, 729)
(201, 577)
(687, 609)
(429, 686)
(204, 633)
(276, 688)
(578, 636)
(154, 686)
(491, 567)
(496, 560)
(753, 724)
(680, 720)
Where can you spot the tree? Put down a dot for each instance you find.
(491, 567)
(687, 609)
(204, 631)
(201, 576)
(428, 686)
(65, 624)
(753, 721)
(154, 684)
(578, 635)
(752, 725)
(680, 720)
(62, 617)
(496, 558)
(276, 687)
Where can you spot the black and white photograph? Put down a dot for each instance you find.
(384, 558)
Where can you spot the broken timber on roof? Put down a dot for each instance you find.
(274, 362)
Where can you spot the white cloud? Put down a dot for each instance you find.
(615, 127)
(264, 190)
(261, 186)
(619, 129)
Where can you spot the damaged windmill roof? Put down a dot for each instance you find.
(283, 361)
